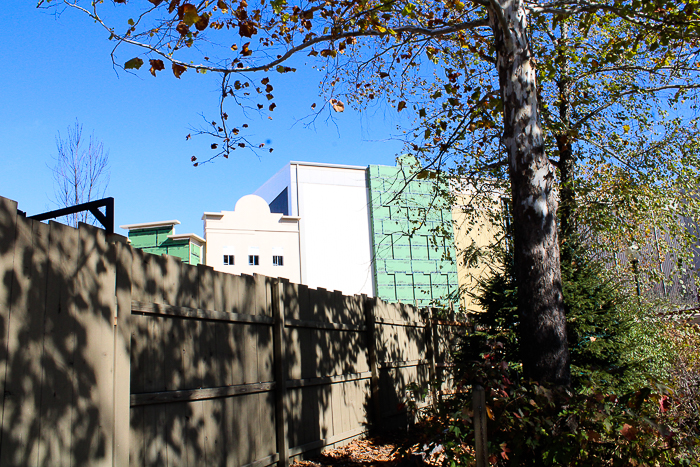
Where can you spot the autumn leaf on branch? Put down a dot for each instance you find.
(135, 63)
(247, 29)
(337, 105)
(182, 28)
(188, 14)
(222, 6)
(202, 23)
(156, 65)
(178, 70)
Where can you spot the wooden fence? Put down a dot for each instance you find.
(112, 356)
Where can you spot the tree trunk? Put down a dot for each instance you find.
(545, 353)
(567, 167)
(567, 162)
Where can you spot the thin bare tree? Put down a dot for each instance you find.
(81, 172)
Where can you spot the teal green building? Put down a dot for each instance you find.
(412, 237)
(159, 238)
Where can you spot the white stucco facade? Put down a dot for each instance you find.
(235, 238)
(331, 202)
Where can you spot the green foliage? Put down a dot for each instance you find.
(603, 323)
(600, 322)
(498, 297)
(683, 369)
(613, 415)
(530, 424)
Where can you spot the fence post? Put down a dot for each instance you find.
(479, 408)
(369, 304)
(280, 371)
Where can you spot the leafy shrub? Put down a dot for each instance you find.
(613, 414)
(531, 424)
(612, 339)
(684, 376)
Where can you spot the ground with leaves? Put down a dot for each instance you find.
(385, 450)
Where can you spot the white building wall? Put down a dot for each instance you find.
(332, 204)
(252, 229)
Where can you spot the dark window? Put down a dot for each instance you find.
(228, 260)
(280, 204)
(277, 261)
(253, 260)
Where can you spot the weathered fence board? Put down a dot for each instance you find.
(95, 311)
(8, 245)
(21, 407)
(58, 394)
(122, 351)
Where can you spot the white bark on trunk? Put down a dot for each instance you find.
(542, 333)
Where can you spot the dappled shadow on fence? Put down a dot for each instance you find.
(57, 348)
(110, 356)
(188, 361)
(402, 341)
(218, 333)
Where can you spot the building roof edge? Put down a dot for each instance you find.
(189, 236)
(324, 164)
(149, 225)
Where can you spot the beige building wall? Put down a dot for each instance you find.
(473, 230)
(252, 230)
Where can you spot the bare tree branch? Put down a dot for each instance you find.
(81, 171)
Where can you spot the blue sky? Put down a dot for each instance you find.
(58, 69)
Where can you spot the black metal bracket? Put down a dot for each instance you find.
(106, 219)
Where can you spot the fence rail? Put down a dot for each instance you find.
(112, 356)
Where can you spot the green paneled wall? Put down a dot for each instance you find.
(410, 263)
(146, 238)
(156, 242)
(195, 254)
